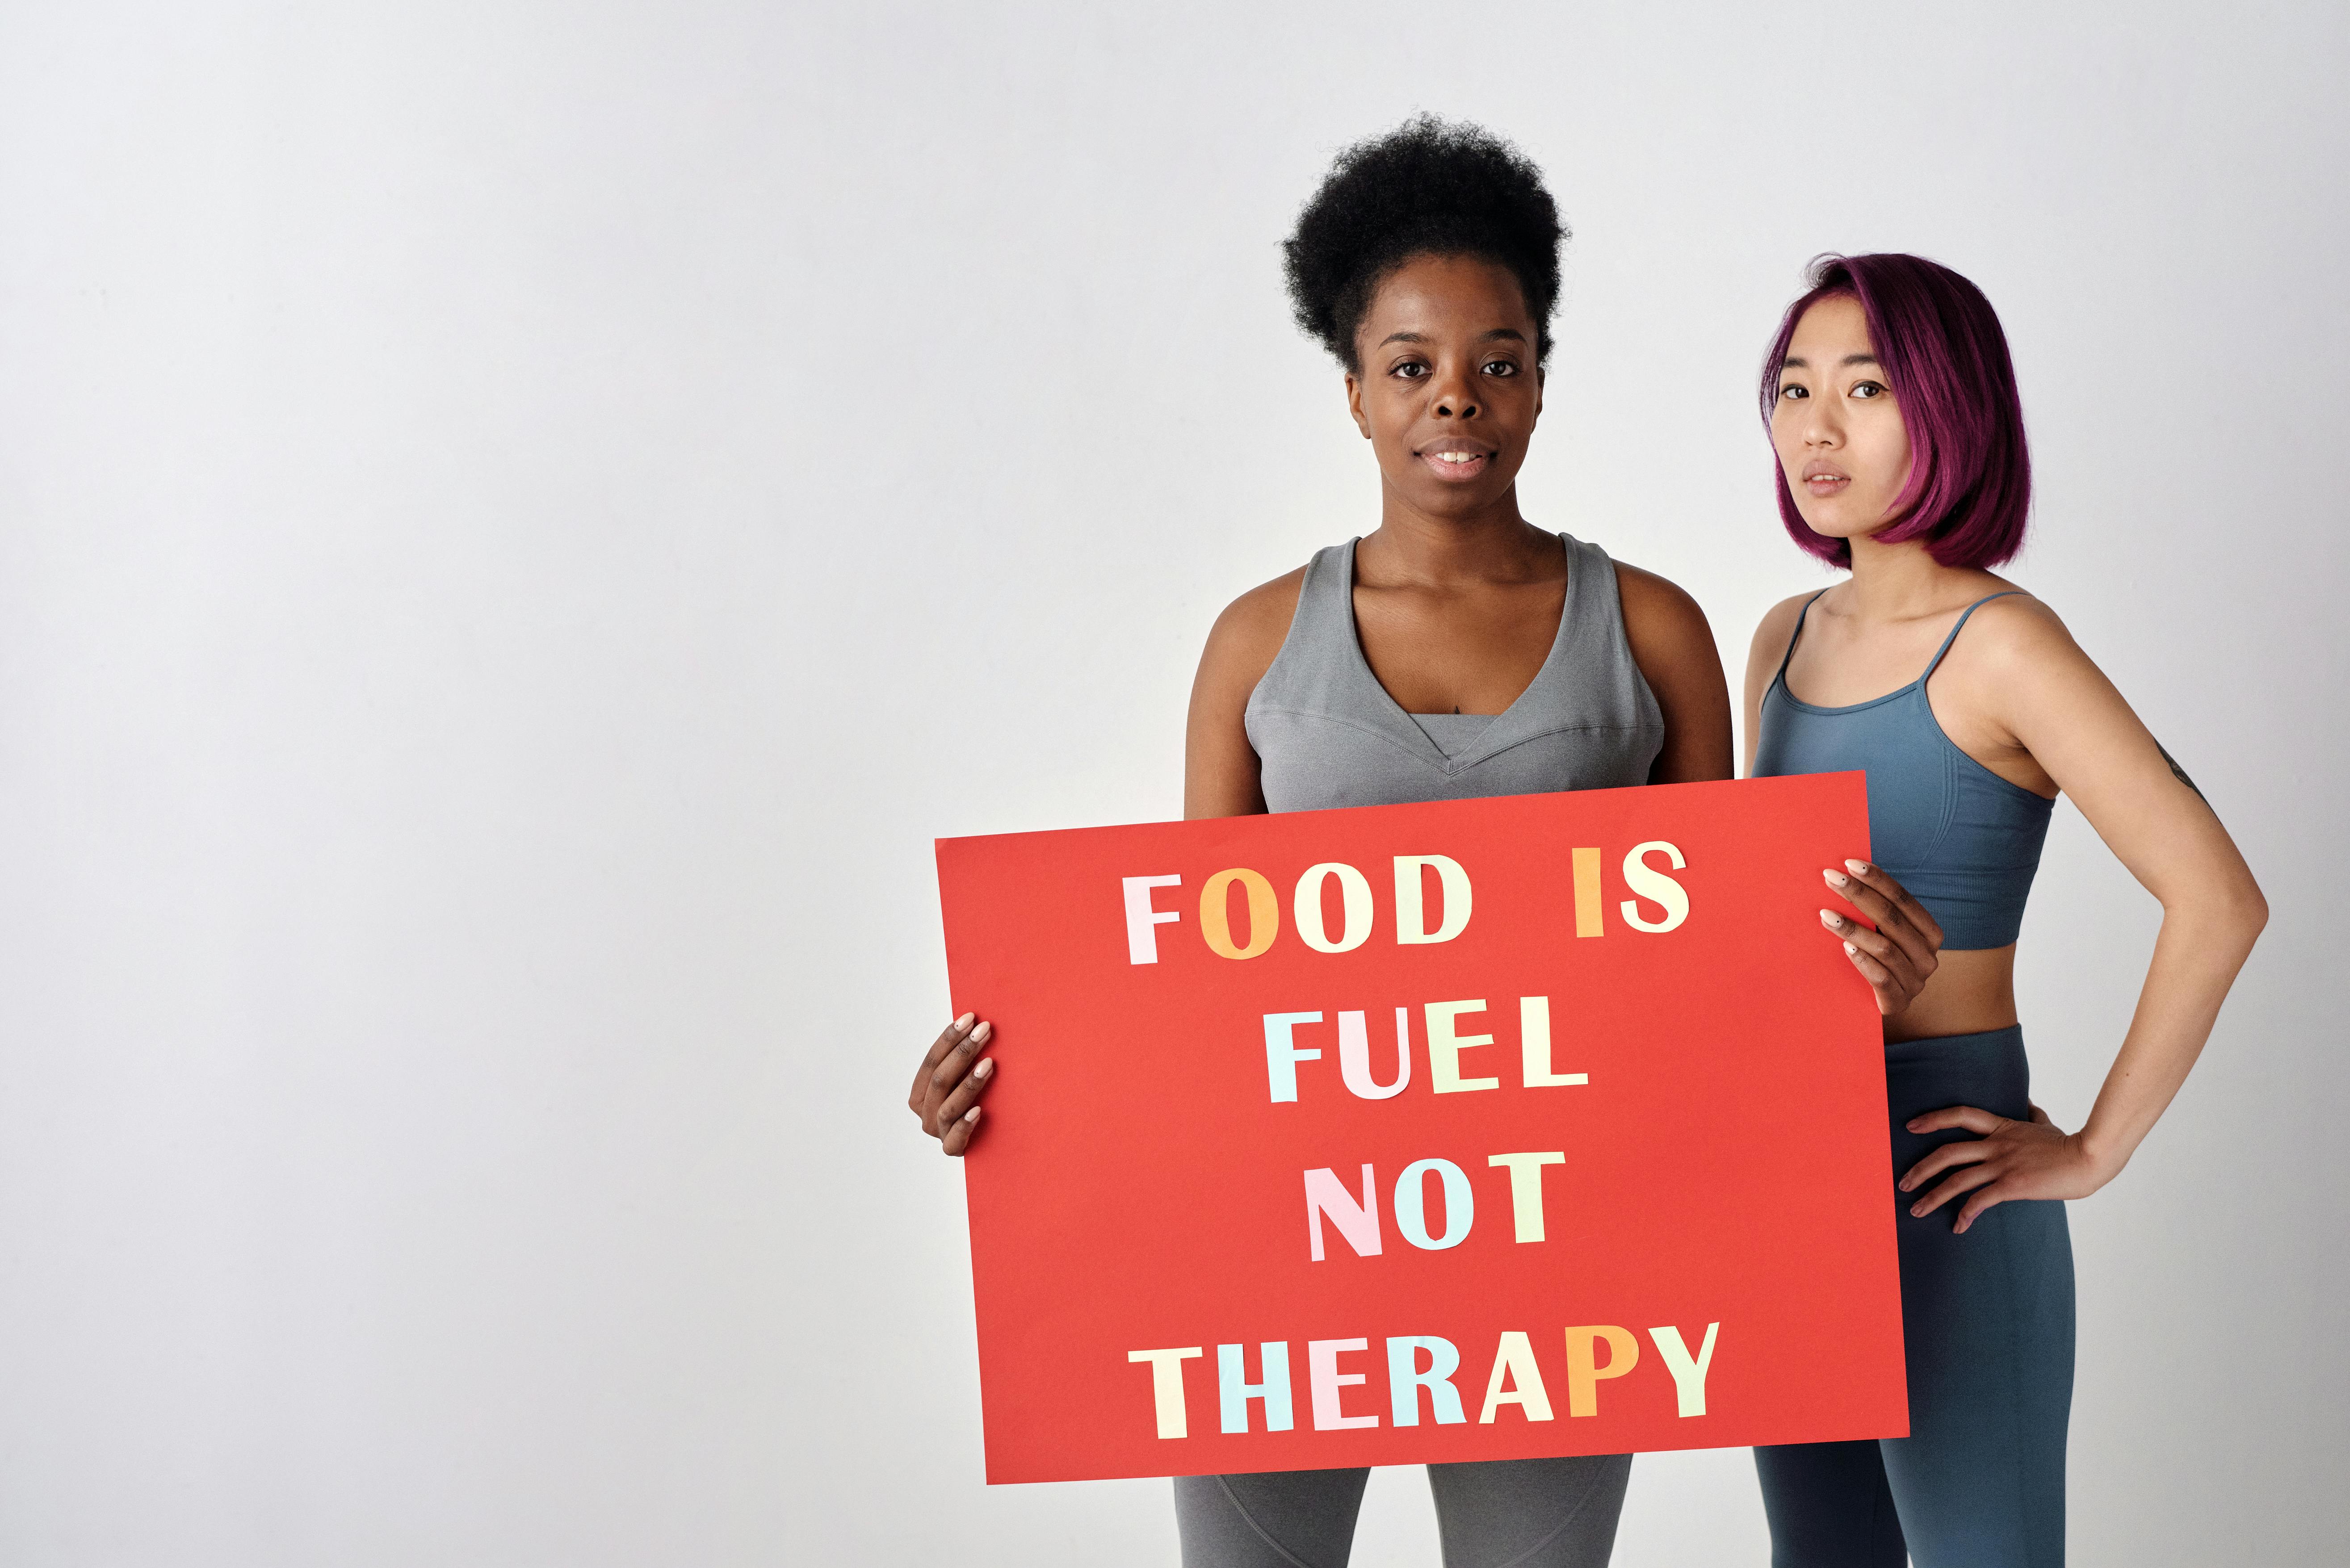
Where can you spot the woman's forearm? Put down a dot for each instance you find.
(2203, 944)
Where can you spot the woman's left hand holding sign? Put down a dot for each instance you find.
(947, 1085)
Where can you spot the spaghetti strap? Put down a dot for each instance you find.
(1800, 616)
(1937, 664)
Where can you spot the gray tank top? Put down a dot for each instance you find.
(1326, 734)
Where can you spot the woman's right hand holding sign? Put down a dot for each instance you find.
(1899, 957)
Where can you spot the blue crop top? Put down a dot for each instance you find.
(1962, 839)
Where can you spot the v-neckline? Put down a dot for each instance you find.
(1404, 727)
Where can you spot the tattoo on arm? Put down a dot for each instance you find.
(2179, 774)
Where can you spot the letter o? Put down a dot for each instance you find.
(1460, 1204)
(1306, 909)
(1216, 923)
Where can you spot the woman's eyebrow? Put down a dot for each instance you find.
(1791, 362)
(1510, 332)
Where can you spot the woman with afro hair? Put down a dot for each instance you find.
(1455, 651)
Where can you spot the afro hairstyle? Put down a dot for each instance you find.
(1430, 187)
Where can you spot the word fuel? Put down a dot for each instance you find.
(1515, 1379)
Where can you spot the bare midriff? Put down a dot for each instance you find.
(1970, 992)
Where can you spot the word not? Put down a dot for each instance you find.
(1326, 1196)
(1456, 899)
(1516, 1378)
(1445, 1043)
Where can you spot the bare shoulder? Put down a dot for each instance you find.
(2019, 636)
(1658, 611)
(2015, 677)
(1221, 775)
(1267, 607)
(1673, 647)
(1248, 635)
(1777, 629)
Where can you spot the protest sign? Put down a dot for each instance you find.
(1469, 1130)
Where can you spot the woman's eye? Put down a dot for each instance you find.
(1793, 393)
(1868, 389)
(1500, 367)
(1410, 371)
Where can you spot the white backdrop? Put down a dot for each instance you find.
(518, 523)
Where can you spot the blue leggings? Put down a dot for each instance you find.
(1987, 1319)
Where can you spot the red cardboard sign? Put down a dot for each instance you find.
(1626, 1187)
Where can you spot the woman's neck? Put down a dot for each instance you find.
(1901, 582)
(1496, 544)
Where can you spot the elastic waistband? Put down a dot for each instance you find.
(1934, 1047)
(1988, 1070)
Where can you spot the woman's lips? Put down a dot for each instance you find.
(1455, 463)
(1824, 479)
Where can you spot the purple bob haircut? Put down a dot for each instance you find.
(1947, 363)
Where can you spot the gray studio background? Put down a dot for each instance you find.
(518, 523)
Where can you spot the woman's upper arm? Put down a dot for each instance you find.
(1763, 657)
(1219, 767)
(2036, 680)
(1674, 648)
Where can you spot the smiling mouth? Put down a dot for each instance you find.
(1456, 463)
(1825, 481)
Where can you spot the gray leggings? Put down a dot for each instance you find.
(1500, 1513)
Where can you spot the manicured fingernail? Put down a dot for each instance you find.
(979, 1035)
(1837, 879)
(1849, 949)
(1831, 920)
(1912, 1126)
(1858, 867)
(972, 1115)
(1907, 1185)
(964, 1022)
(986, 1068)
(1916, 1209)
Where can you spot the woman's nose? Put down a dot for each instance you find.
(1455, 401)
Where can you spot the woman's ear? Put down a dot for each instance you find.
(1355, 404)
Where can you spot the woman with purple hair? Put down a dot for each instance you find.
(1892, 406)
